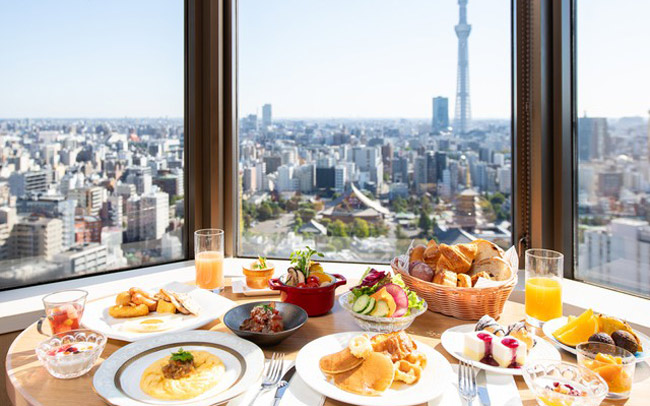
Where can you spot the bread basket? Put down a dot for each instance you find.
(461, 302)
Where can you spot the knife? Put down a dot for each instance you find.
(280, 391)
(481, 384)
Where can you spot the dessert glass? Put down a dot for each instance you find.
(71, 354)
(604, 360)
(541, 376)
(63, 310)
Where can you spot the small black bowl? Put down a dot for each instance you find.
(293, 318)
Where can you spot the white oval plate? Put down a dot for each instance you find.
(117, 380)
(552, 325)
(434, 380)
(96, 315)
(452, 340)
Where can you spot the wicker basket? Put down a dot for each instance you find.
(461, 303)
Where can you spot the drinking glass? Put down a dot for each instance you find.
(64, 310)
(544, 270)
(208, 259)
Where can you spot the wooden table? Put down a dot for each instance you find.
(28, 383)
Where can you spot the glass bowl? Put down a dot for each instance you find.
(379, 324)
(71, 354)
(542, 376)
(618, 377)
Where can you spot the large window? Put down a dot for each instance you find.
(359, 130)
(91, 137)
(613, 144)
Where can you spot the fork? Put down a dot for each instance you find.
(466, 382)
(272, 375)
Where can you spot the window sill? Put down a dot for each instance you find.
(21, 307)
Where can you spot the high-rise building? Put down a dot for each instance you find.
(89, 258)
(440, 114)
(89, 199)
(33, 182)
(37, 237)
(267, 117)
(463, 108)
(147, 216)
(52, 206)
(593, 138)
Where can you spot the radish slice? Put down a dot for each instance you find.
(401, 300)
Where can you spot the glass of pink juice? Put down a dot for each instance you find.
(208, 259)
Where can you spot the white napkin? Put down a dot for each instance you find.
(501, 388)
(297, 394)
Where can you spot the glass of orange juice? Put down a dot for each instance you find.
(544, 270)
(208, 259)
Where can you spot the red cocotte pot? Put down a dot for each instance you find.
(315, 301)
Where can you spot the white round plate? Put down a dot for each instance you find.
(453, 340)
(117, 381)
(552, 325)
(96, 317)
(434, 380)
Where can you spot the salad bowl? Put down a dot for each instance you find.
(382, 302)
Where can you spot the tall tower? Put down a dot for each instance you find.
(463, 108)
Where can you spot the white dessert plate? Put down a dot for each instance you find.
(433, 382)
(453, 340)
(239, 287)
(117, 380)
(552, 325)
(96, 315)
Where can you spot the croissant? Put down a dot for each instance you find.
(458, 258)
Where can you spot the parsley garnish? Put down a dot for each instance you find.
(266, 307)
(182, 356)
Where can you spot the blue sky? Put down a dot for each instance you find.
(309, 58)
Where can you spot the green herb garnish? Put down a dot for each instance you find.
(266, 307)
(302, 259)
(182, 356)
(261, 263)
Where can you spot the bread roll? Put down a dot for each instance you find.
(445, 278)
(486, 249)
(479, 275)
(417, 253)
(464, 281)
(497, 268)
(421, 270)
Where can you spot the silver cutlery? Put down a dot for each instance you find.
(466, 382)
(481, 383)
(272, 375)
(283, 385)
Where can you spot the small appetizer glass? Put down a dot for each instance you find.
(208, 259)
(614, 364)
(257, 276)
(544, 271)
(63, 310)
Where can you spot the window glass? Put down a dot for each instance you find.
(613, 138)
(359, 130)
(91, 137)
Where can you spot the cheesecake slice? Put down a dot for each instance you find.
(478, 346)
(509, 352)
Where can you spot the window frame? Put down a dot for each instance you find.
(189, 200)
(232, 228)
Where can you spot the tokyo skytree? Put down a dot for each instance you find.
(463, 113)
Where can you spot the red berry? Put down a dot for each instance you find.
(312, 280)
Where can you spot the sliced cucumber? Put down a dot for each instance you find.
(370, 307)
(381, 309)
(361, 303)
